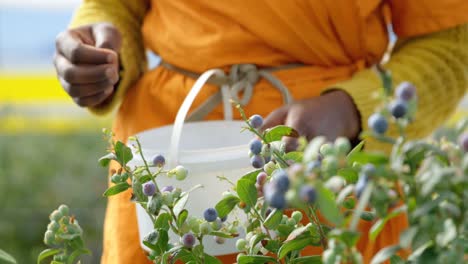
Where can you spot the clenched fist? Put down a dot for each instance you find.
(87, 62)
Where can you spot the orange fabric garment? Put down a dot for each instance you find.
(335, 38)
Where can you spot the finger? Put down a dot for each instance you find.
(107, 36)
(84, 74)
(93, 100)
(72, 46)
(295, 119)
(275, 118)
(83, 90)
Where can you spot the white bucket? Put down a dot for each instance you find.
(207, 149)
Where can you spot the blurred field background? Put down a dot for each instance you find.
(48, 146)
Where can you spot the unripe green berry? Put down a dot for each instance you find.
(63, 209)
(55, 216)
(185, 228)
(217, 225)
(124, 176)
(205, 228)
(240, 244)
(330, 164)
(269, 168)
(167, 198)
(49, 238)
(291, 222)
(342, 145)
(296, 215)
(53, 226)
(284, 220)
(116, 178)
(180, 173)
(327, 149)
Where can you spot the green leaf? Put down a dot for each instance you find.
(273, 219)
(181, 218)
(211, 260)
(180, 204)
(118, 188)
(278, 132)
(395, 259)
(285, 230)
(254, 241)
(7, 257)
(75, 254)
(251, 175)
(356, 149)
(365, 157)
(162, 244)
(46, 253)
(385, 254)
(162, 222)
(247, 192)
(449, 233)
(297, 232)
(144, 178)
(327, 205)
(226, 205)
(349, 237)
(307, 260)
(123, 153)
(349, 174)
(256, 259)
(221, 234)
(378, 226)
(273, 246)
(407, 236)
(297, 244)
(105, 160)
(295, 156)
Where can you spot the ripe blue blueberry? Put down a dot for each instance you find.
(398, 108)
(368, 170)
(277, 200)
(257, 161)
(188, 240)
(281, 181)
(149, 189)
(256, 121)
(405, 91)
(378, 123)
(360, 185)
(308, 194)
(255, 146)
(463, 141)
(210, 214)
(159, 160)
(168, 188)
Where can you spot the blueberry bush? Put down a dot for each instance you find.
(314, 196)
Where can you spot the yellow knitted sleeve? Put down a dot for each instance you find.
(436, 63)
(127, 16)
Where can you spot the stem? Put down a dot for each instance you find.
(315, 220)
(146, 164)
(200, 240)
(363, 201)
(177, 231)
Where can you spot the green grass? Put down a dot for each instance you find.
(40, 172)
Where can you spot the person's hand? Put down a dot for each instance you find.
(87, 63)
(331, 115)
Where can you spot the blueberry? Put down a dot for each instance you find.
(168, 188)
(180, 173)
(378, 123)
(405, 91)
(256, 121)
(255, 146)
(217, 224)
(261, 178)
(210, 214)
(151, 237)
(463, 141)
(53, 226)
(55, 216)
(49, 238)
(281, 181)
(241, 244)
(277, 200)
(343, 145)
(360, 185)
(154, 205)
(327, 149)
(159, 160)
(205, 228)
(149, 189)
(308, 194)
(188, 240)
(297, 216)
(219, 240)
(257, 161)
(313, 166)
(268, 212)
(368, 170)
(398, 108)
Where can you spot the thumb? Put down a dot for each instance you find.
(275, 118)
(107, 36)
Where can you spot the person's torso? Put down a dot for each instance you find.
(201, 34)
